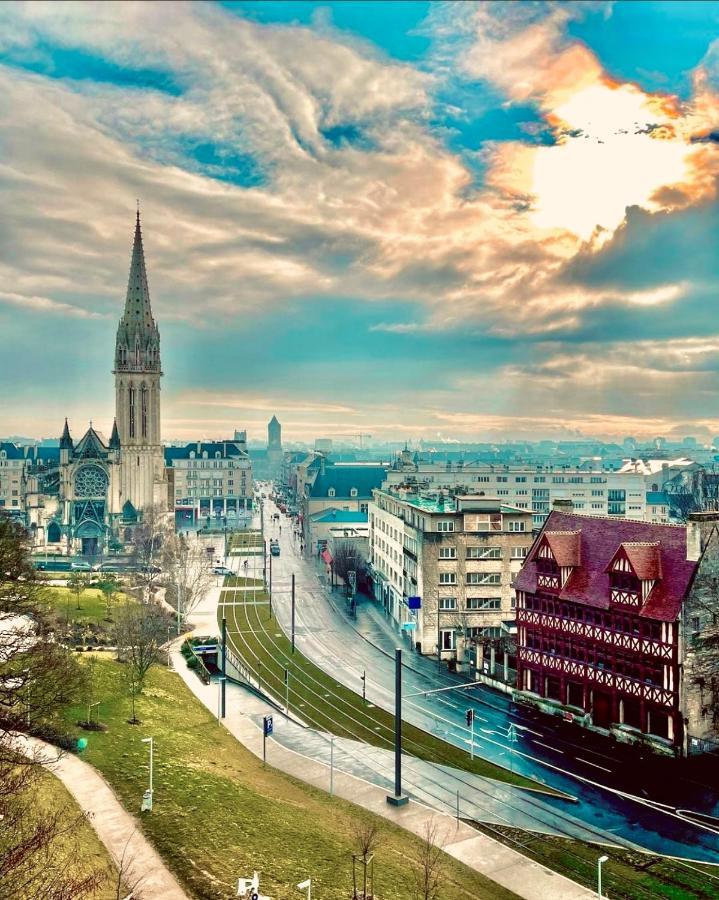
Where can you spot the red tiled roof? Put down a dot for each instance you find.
(644, 558)
(599, 541)
(565, 547)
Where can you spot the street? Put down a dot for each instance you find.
(620, 804)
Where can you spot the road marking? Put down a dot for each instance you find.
(554, 749)
(603, 768)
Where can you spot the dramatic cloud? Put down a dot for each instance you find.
(280, 166)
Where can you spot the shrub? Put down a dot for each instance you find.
(192, 662)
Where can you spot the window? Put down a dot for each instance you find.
(517, 526)
(447, 639)
(447, 553)
(143, 410)
(331, 492)
(484, 603)
(131, 396)
(483, 478)
(445, 525)
(353, 492)
(484, 552)
(520, 478)
(501, 478)
(448, 578)
(483, 578)
(519, 552)
(363, 507)
(448, 603)
(539, 479)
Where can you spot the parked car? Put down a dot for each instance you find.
(222, 570)
(274, 548)
(80, 565)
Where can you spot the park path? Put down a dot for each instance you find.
(489, 857)
(119, 831)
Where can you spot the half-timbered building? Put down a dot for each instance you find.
(601, 624)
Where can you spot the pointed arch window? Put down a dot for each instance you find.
(131, 407)
(143, 409)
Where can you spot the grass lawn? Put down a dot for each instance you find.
(626, 876)
(93, 606)
(79, 853)
(323, 702)
(220, 814)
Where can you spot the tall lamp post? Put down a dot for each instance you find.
(600, 863)
(398, 798)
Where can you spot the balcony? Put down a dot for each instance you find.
(548, 582)
(625, 597)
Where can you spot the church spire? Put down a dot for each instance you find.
(138, 339)
(66, 440)
(114, 437)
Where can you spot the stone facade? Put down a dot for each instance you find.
(458, 555)
(83, 497)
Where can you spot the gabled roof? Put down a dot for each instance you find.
(90, 446)
(565, 547)
(600, 538)
(344, 478)
(644, 558)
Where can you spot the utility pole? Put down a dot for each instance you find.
(224, 666)
(398, 798)
(264, 561)
(270, 586)
(293, 612)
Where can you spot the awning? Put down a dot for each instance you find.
(327, 556)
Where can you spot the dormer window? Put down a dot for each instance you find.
(353, 492)
(331, 492)
(634, 570)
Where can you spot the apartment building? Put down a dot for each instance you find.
(620, 493)
(443, 566)
(12, 468)
(208, 480)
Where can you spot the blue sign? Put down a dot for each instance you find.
(414, 602)
(268, 725)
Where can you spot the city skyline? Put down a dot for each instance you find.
(490, 225)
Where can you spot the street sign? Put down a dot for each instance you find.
(268, 725)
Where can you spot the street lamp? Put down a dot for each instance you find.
(220, 691)
(147, 797)
(600, 862)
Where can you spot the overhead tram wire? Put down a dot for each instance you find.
(457, 779)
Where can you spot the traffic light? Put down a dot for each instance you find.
(470, 717)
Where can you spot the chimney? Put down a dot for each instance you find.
(563, 505)
(699, 527)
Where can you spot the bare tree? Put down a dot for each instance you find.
(429, 862)
(148, 540)
(77, 582)
(347, 558)
(188, 575)
(366, 835)
(38, 679)
(128, 880)
(140, 631)
(110, 588)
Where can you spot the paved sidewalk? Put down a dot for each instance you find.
(489, 857)
(117, 829)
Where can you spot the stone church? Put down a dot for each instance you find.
(84, 498)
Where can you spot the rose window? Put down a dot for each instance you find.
(90, 481)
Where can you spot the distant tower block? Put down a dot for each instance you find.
(274, 446)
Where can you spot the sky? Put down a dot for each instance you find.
(414, 220)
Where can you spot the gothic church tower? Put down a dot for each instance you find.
(137, 393)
